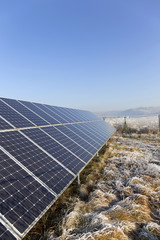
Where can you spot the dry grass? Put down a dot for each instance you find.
(118, 199)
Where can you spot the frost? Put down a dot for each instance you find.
(153, 170)
(124, 203)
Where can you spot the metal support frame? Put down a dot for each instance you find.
(78, 179)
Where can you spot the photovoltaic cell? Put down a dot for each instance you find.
(68, 143)
(55, 149)
(13, 117)
(22, 198)
(25, 112)
(5, 234)
(39, 112)
(34, 159)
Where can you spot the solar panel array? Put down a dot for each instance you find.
(42, 150)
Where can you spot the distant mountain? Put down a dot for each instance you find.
(134, 112)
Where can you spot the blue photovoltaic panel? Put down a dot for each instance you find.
(13, 117)
(34, 159)
(90, 116)
(102, 128)
(88, 138)
(22, 197)
(75, 137)
(68, 143)
(5, 234)
(78, 113)
(91, 133)
(40, 112)
(99, 135)
(4, 125)
(52, 113)
(67, 112)
(55, 149)
(41, 158)
(25, 112)
(60, 113)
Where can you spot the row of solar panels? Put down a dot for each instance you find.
(21, 114)
(39, 162)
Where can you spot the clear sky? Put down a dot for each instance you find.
(90, 54)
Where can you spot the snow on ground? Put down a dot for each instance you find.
(125, 201)
(137, 123)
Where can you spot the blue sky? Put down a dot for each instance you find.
(89, 54)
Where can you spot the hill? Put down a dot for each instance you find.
(133, 112)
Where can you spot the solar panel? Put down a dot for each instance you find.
(91, 133)
(68, 143)
(42, 149)
(64, 118)
(35, 160)
(4, 124)
(74, 117)
(20, 195)
(40, 112)
(89, 138)
(34, 118)
(66, 158)
(5, 234)
(76, 138)
(52, 112)
(13, 117)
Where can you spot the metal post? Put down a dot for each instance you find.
(78, 178)
(125, 124)
(97, 154)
